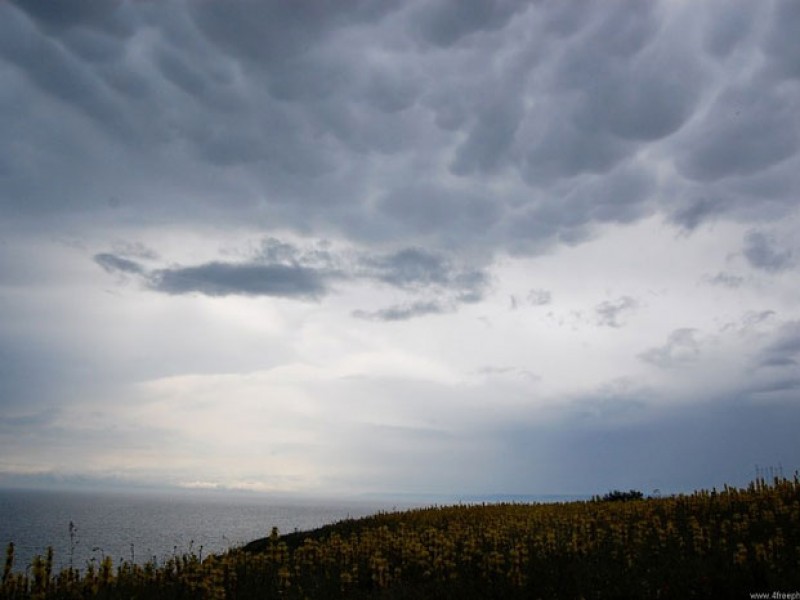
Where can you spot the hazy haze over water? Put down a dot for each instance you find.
(157, 524)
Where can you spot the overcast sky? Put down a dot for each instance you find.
(436, 247)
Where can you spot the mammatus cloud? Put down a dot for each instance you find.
(731, 139)
(614, 313)
(286, 114)
(762, 252)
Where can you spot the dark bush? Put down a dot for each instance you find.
(618, 496)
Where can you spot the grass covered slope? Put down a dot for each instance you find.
(715, 544)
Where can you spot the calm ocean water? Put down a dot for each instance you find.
(142, 526)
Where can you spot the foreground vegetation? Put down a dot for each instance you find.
(723, 543)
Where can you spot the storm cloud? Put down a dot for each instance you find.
(281, 96)
(321, 213)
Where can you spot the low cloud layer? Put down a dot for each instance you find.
(282, 269)
(220, 279)
(784, 351)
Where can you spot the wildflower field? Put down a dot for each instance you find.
(725, 543)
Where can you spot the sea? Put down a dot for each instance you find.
(84, 527)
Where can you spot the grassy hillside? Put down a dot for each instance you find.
(725, 543)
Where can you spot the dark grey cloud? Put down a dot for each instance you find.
(225, 279)
(98, 14)
(762, 252)
(410, 267)
(643, 104)
(778, 387)
(284, 269)
(559, 149)
(488, 141)
(39, 374)
(269, 32)
(60, 74)
(415, 269)
(693, 211)
(618, 68)
(507, 126)
(403, 312)
(25, 369)
(779, 41)
(135, 250)
(430, 208)
(607, 407)
(784, 350)
(179, 72)
(675, 449)
(681, 348)
(746, 131)
(622, 196)
(728, 29)
(446, 22)
(30, 424)
(113, 263)
(614, 313)
(318, 256)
